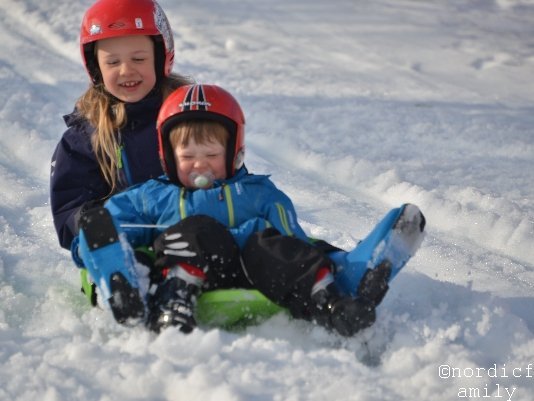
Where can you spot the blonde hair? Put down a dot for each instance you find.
(108, 116)
(200, 131)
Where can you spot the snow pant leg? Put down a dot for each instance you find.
(203, 242)
(283, 268)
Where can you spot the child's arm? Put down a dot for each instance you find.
(74, 181)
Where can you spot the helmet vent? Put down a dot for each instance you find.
(117, 25)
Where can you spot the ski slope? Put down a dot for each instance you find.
(353, 107)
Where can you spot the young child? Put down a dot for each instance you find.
(110, 144)
(214, 225)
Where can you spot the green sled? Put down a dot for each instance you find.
(234, 309)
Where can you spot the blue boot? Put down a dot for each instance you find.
(111, 265)
(394, 240)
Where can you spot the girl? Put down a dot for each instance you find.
(111, 143)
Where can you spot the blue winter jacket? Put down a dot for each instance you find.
(245, 203)
(75, 174)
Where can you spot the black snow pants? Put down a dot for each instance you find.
(282, 268)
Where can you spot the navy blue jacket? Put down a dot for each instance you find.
(75, 175)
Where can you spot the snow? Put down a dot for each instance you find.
(354, 107)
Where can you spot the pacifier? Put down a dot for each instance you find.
(202, 180)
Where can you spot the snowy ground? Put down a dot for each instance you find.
(354, 107)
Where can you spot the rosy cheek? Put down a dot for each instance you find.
(184, 169)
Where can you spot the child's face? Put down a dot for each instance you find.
(206, 158)
(127, 66)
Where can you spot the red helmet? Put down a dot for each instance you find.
(201, 102)
(113, 18)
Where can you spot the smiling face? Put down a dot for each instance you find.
(127, 66)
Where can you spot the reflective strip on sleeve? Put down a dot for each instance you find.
(283, 218)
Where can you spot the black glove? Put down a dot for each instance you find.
(174, 246)
(199, 241)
